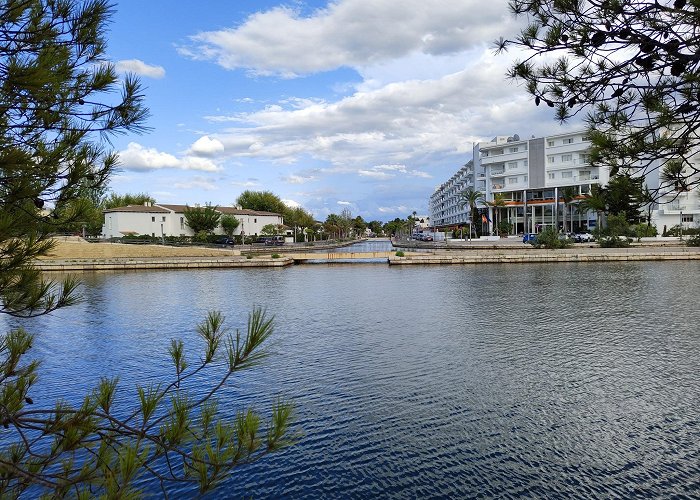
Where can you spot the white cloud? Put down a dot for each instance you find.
(399, 210)
(282, 41)
(297, 179)
(291, 203)
(140, 68)
(246, 184)
(197, 183)
(206, 146)
(137, 157)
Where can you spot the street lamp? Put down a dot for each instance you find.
(681, 226)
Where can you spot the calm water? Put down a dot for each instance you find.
(556, 381)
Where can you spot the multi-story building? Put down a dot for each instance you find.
(445, 204)
(528, 181)
(678, 201)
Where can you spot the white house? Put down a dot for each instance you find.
(169, 220)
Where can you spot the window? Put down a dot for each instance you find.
(565, 157)
(163, 219)
(687, 218)
(110, 223)
(153, 219)
(525, 163)
(255, 220)
(568, 141)
(585, 138)
(525, 178)
(550, 159)
(513, 150)
(182, 223)
(566, 174)
(512, 165)
(585, 158)
(550, 143)
(550, 175)
(512, 180)
(153, 235)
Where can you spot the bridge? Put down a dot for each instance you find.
(331, 256)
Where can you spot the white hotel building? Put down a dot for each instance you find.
(444, 202)
(529, 175)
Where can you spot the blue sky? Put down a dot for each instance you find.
(359, 104)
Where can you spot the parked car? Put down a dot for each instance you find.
(275, 241)
(583, 237)
(427, 237)
(223, 240)
(529, 238)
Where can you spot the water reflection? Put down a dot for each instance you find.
(558, 381)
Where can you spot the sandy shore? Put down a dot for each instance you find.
(72, 247)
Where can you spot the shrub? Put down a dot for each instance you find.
(550, 238)
(276, 256)
(614, 242)
(504, 227)
(645, 230)
(249, 256)
(687, 231)
(693, 241)
(400, 253)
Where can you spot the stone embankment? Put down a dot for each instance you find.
(532, 255)
(123, 264)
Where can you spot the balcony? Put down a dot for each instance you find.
(497, 171)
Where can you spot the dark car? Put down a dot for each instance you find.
(224, 240)
(275, 241)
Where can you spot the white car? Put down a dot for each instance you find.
(583, 237)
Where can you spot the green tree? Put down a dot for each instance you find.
(471, 198)
(359, 226)
(269, 230)
(631, 66)
(498, 202)
(299, 219)
(623, 195)
(594, 202)
(568, 195)
(59, 99)
(263, 201)
(229, 224)
(114, 200)
(375, 226)
(202, 219)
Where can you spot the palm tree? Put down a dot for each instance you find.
(568, 194)
(499, 200)
(471, 197)
(595, 202)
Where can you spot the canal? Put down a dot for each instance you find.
(556, 381)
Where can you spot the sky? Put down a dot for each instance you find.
(365, 105)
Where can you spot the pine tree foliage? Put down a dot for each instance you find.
(632, 66)
(173, 434)
(60, 102)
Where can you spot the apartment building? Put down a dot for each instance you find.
(531, 176)
(679, 204)
(445, 209)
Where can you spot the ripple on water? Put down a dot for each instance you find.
(566, 381)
